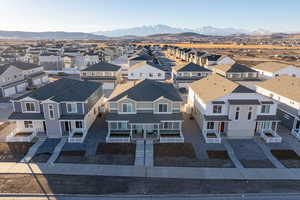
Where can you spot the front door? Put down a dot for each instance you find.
(67, 127)
(298, 124)
(222, 127)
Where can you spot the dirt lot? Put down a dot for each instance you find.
(288, 158)
(110, 154)
(61, 184)
(13, 151)
(183, 155)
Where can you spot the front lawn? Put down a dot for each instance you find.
(287, 157)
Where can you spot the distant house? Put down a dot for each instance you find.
(144, 109)
(51, 61)
(107, 74)
(139, 58)
(235, 71)
(188, 73)
(285, 90)
(223, 108)
(215, 59)
(146, 70)
(17, 76)
(272, 69)
(64, 108)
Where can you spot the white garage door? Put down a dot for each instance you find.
(108, 86)
(9, 91)
(37, 81)
(21, 87)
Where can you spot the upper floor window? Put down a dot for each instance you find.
(237, 113)
(217, 109)
(265, 108)
(127, 107)
(51, 111)
(159, 74)
(163, 107)
(250, 113)
(71, 107)
(210, 125)
(150, 75)
(30, 107)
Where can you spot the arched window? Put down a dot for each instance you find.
(237, 113)
(250, 113)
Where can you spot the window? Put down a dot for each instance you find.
(122, 125)
(141, 74)
(265, 108)
(30, 107)
(51, 111)
(159, 74)
(71, 107)
(127, 107)
(28, 124)
(210, 125)
(217, 109)
(163, 107)
(78, 124)
(237, 113)
(150, 75)
(250, 113)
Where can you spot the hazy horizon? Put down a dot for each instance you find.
(104, 15)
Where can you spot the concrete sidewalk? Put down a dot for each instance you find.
(153, 172)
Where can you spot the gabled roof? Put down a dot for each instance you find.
(64, 90)
(24, 66)
(141, 64)
(3, 68)
(191, 67)
(214, 86)
(103, 66)
(145, 90)
(213, 57)
(284, 85)
(271, 66)
(141, 57)
(233, 68)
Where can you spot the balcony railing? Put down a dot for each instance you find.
(77, 135)
(270, 136)
(20, 136)
(211, 136)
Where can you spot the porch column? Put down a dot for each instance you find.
(180, 128)
(276, 124)
(130, 130)
(158, 132)
(108, 123)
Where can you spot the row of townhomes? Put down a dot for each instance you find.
(144, 101)
(15, 77)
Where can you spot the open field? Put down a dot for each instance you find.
(225, 46)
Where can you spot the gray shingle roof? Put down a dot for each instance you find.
(146, 90)
(103, 66)
(64, 90)
(192, 67)
(24, 66)
(240, 68)
(3, 69)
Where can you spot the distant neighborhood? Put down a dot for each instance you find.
(147, 105)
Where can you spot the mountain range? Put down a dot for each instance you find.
(162, 29)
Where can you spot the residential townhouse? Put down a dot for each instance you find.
(182, 75)
(285, 90)
(146, 70)
(236, 71)
(215, 59)
(272, 69)
(223, 108)
(64, 108)
(106, 73)
(17, 76)
(144, 109)
(139, 58)
(51, 61)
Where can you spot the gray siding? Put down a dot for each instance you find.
(17, 107)
(286, 119)
(93, 99)
(63, 109)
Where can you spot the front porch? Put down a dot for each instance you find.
(212, 131)
(296, 128)
(268, 131)
(125, 132)
(74, 130)
(25, 131)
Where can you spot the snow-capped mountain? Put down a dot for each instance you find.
(161, 29)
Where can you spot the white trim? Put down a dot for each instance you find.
(168, 112)
(122, 112)
(24, 110)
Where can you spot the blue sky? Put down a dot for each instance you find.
(94, 15)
